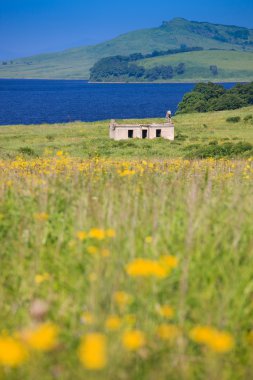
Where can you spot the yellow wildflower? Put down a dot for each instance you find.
(97, 233)
(126, 172)
(59, 153)
(92, 250)
(111, 233)
(105, 252)
(168, 332)
(146, 268)
(165, 311)
(87, 318)
(42, 338)
(133, 340)
(12, 352)
(122, 298)
(169, 262)
(148, 239)
(42, 216)
(9, 183)
(113, 322)
(81, 235)
(217, 341)
(40, 278)
(93, 277)
(93, 351)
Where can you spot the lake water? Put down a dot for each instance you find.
(58, 101)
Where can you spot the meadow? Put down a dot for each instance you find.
(88, 140)
(115, 266)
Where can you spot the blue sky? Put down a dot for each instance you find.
(33, 26)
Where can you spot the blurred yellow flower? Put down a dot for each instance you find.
(126, 172)
(40, 278)
(87, 318)
(59, 153)
(97, 233)
(93, 351)
(110, 233)
(12, 352)
(217, 341)
(122, 298)
(169, 262)
(148, 239)
(146, 268)
(42, 216)
(105, 252)
(165, 311)
(92, 250)
(133, 340)
(168, 332)
(42, 338)
(113, 322)
(81, 235)
(93, 277)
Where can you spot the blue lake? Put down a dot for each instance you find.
(58, 101)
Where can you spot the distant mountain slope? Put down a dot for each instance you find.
(75, 63)
(231, 65)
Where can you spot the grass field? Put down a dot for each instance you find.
(91, 139)
(125, 262)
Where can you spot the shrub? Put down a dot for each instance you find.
(50, 137)
(248, 118)
(218, 151)
(26, 150)
(181, 137)
(213, 97)
(233, 119)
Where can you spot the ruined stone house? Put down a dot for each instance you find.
(143, 131)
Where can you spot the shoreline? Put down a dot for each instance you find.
(122, 82)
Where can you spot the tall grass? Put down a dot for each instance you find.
(197, 214)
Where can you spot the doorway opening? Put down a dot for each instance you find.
(158, 133)
(144, 134)
(130, 133)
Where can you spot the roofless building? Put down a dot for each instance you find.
(143, 131)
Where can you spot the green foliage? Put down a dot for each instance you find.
(233, 119)
(248, 118)
(26, 150)
(214, 150)
(122, 67)
(213, 97)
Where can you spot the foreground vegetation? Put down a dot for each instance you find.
(125, 270)
(194, 132)
(127, 260)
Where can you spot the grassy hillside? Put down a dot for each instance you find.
(232, 65)
(75, 63)
(91, 139)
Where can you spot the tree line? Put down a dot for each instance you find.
(124, 67)
(214, 97)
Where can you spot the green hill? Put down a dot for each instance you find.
(75, 63)
(231, 65)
